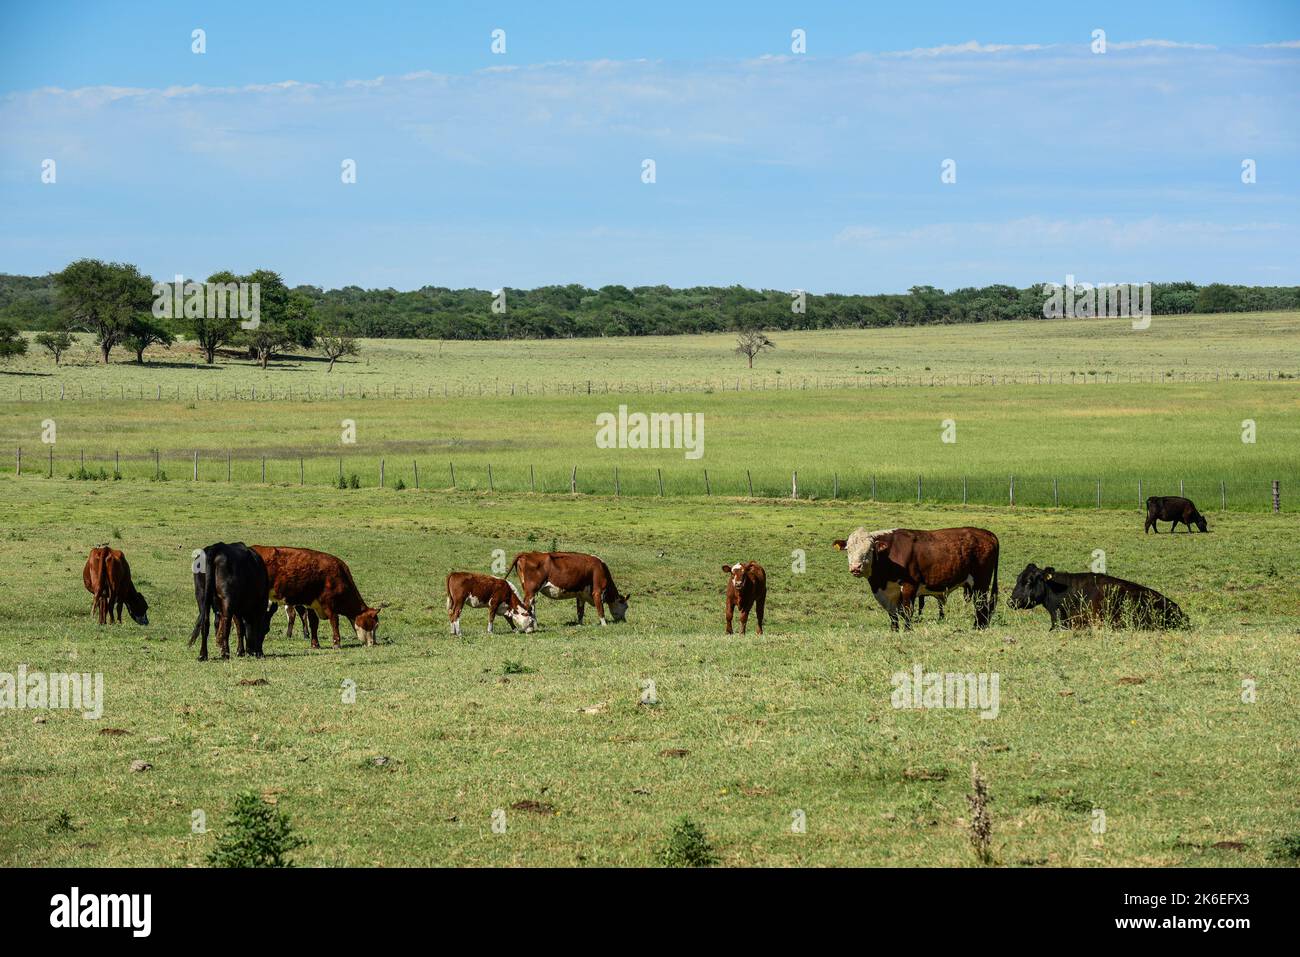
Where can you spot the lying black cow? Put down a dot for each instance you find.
(1172, 508)
(1080, 600)
(230, 581)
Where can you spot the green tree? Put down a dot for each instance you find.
(146, 331)
(287, 318)
(334, 345)
(11, 342)
(1217, 297)
(211, 332)
(104, 299)
(55, 343)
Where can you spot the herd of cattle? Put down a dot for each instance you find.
(242, 586)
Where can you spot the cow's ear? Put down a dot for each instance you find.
(840, 544)
(900, 549)
(727, 569)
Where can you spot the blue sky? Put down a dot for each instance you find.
(818, 170)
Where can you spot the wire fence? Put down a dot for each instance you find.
(349, 472)
(312, 392)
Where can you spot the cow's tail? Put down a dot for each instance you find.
(206, 601)
(511, 570)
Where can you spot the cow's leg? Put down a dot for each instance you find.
(453, 614)
(241, 648)
(492, 615)
(334, 626)
(599, 603)
(581, 608)
(762, 600)
(730, 611)
(291, 613)
(942, 600)
(744, 617)
(313, 620)
(907, 596)
(223, 633)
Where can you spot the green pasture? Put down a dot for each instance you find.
(1149, 729)
(1226, 345)
(1056, 442)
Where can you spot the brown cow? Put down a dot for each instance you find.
(321, 583)
(903, 563)
(584, 578)
(746, 588)
(497, 595)
(107, 577)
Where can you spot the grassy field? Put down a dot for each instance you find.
(1161, 435)
(1246, 343)
(1149, 728)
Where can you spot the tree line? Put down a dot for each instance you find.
(113, 301)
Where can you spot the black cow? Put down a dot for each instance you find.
(1079, 600)
(231, 581)
(1172, 508)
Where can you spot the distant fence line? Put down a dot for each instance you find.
(379, 472)
(42, 392)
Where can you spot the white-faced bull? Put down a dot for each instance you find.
(902, 564)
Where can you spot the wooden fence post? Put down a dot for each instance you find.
(749, 480)
(302, 472)
(918, 490)
(963, 490)
(157, 465)
(794, 484)
(1012, 493)
(532, 479)
(381, 473)
(873, 488)
(18, 468)
(196, 465)
(452, 466)
(1099, 492)
(617, 490)
(1223, 496)
(573, 481)
(491, 486)
(117, 461)
(835, 487)
(415, 466)
(707, 490)
(51, 460)
(1277, 495)
(263, 469)
(660, 473)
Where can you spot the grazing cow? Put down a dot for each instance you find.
(230, 580)
(1175, 509)
(901, 564)
(107, 577)
(1079, 600)
(497, 595)
(584, 578)
(322, 584)
(746, 588)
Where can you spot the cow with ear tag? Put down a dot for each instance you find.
(903, 564)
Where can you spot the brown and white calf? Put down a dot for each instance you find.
(746, 588)
(497, 595)
(584, 578)
(107, 577)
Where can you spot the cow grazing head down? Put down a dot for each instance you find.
(366, 624)
(617, 605)
(863, 547)
(138, 608)
(1031, 587)
(518, 615)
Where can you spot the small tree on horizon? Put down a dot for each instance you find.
(55, 343)
(103, 298)
(335, 345)
(750, 342)
(146, 331)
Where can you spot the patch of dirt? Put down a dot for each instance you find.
(533, 807)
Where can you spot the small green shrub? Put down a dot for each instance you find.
(687, 846)
(256, 835)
